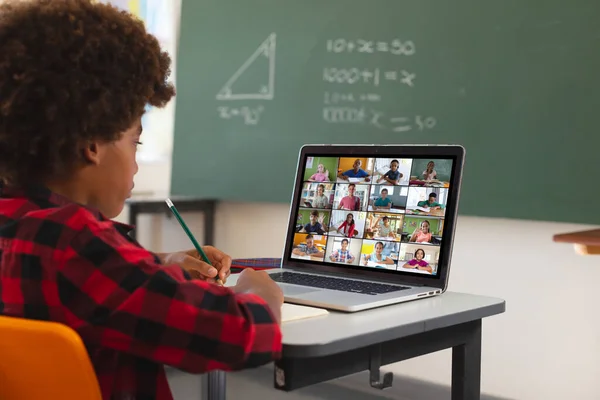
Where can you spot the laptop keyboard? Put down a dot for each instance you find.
(343, 285)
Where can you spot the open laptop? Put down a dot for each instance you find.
(370, 225)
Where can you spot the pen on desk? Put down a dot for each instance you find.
(190, 235)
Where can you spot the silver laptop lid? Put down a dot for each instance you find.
(386, 212)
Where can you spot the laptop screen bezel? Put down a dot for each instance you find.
(454, 152)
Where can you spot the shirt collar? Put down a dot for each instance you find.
(45, 198)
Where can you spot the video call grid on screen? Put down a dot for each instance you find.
(366, 212)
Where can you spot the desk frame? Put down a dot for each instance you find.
(293, 373)
(465, 340)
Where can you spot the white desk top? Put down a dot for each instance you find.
(342, 331)
(339, 331)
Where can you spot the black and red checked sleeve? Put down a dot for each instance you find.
(117, 297)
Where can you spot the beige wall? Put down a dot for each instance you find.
(546, 345)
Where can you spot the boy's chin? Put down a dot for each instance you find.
(114, 211)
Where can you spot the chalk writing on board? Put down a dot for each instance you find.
(351, 96)
(370, 97)
(250, 115)
(425, 122)
(344, 114)
(372, 76)
(362, 115)
(261, 62)
(336, 98)
(365, 46)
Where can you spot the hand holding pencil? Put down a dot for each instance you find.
(202, 262)
(217, 271)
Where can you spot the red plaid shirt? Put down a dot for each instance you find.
(64, 262)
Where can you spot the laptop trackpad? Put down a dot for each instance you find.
(291, 290)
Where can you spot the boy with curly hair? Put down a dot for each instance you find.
(75, 78)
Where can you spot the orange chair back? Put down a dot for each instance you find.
(44, 360)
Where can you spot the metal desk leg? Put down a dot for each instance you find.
(133, 216)
(209, 223)
(466, 366)
(214, 386)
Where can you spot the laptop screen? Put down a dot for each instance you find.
(383, 213)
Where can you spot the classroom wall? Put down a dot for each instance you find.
(544, 347)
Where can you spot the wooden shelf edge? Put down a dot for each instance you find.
(585, 242)
(590, 237)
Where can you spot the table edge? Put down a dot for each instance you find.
(340, 346)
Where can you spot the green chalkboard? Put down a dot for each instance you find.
(516, 82)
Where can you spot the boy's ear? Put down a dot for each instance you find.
(91, 153)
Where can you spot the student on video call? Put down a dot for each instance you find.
(429, 173)
(383, 202)
(350, 202)
(418, 262)
(377, 255)
(322, 175)
(316, 223)
(383, 227)
(320, 200)
(342, 255)
(308, 248)
(431, 203)
(346, 228)
(355, 172)
(422, 234)
(393, 176)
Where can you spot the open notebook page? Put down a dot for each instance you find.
(293, 312)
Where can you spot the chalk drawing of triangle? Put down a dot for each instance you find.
(244, 85)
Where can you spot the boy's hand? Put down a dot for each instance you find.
(192, 262)
(261, 284)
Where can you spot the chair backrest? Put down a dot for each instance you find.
(44, 360)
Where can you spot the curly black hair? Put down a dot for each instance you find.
(71, 71)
